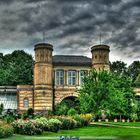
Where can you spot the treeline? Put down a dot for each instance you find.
(16, 68)
(132, 71)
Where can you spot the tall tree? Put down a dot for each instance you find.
(17, 68)
(109, 92)
(134, 70)
(118, 67)
(137, 81)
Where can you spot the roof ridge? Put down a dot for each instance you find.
(73, 55)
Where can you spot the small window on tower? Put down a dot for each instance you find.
(95, 56)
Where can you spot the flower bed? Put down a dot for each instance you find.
(67, 122)
(36, 127)
(6, 130)
(52, 125)
(27, 127)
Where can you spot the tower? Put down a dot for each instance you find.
(43, 77)
(100, 57)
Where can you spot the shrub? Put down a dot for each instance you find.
(88, 117)
(54, 125)
(1, 108)
(61, 109)
(30, 113)
(67, 122)
(27, 127)
(71, 112)
(81, 121)
(8, 118)
(6, 130)
(43, 123)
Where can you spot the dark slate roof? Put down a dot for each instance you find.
(71, 60)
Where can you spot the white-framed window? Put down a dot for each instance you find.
(71, 77)
(83, 73)
(26, 102)
(59, 77)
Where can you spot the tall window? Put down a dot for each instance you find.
(59, 77)
(83, 73)
(71, 77)
(26, 102)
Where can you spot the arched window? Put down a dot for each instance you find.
(26, 102)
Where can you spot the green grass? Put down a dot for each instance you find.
(92, 130)
(135, 124)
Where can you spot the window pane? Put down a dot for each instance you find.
(59, 77)
(72, 77)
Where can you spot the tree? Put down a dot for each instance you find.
(134, 70)
(16, 68)
(1, 108)
(118, 67)
(108, 92)
(137, 81)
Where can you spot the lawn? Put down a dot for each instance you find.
(90, 132)
(135, 124)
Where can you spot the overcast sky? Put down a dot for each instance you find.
(72, 26)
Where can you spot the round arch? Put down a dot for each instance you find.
(72, 95)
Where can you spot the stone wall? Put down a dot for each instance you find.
(64, 92)
(24, 91)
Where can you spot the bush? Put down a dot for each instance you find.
(61, 109)
(67, 122)
(88, 117)
(30, 113)
(52, 125)
(8, 118)
(1, 108)
(27, 127)
(43, 123)
(71, 112)
(81, 121)
(6, 130)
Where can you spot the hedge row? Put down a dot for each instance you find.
(37, 126)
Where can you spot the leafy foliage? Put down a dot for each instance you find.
(118, 67)
(16, 68)
(137, 81)
(28, 127)
(109, 93)
(134, 70)
(67, 122)
(1, 108)
(72, 112)
(6, 130)
(65, 106)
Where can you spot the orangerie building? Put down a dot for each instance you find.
(56, 78)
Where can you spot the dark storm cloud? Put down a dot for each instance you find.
(72, 24)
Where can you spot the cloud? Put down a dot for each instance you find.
(72, 25)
